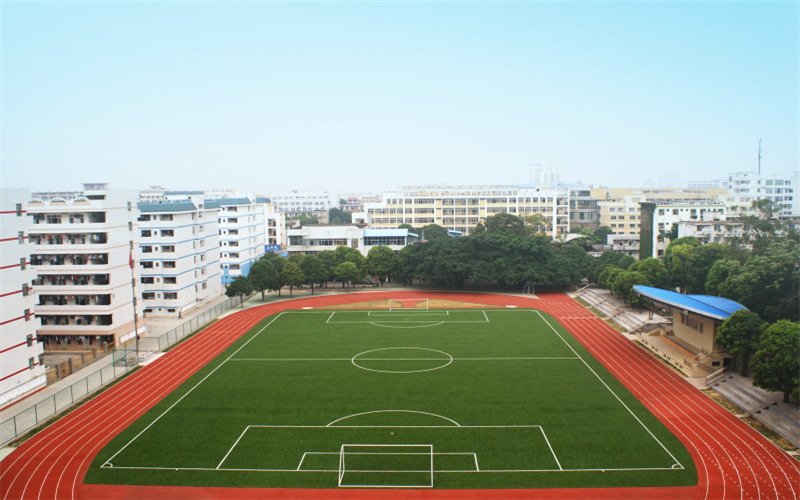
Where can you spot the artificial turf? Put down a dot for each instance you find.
(430, 396)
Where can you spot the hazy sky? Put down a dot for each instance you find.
(366, 96)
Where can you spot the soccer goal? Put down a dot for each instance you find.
(408, 304)
(386, 466)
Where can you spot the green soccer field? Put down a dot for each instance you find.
(496, 398)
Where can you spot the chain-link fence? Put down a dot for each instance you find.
(123, 359)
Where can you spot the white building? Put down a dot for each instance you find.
(21, 369)
(82, 251)
(275, 226)
(180, 258)
(658, 217)
(312, 239)
(242, 237)
(297, 203)
(783, 191)
(711, 231)
(461, 208)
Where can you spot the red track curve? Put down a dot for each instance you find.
(733, 461)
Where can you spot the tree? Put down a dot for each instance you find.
(601, 233)
(719, 276)
(240, 286)
(381, 262)
(655, 271)
(623, 286)
(740, 334)
(292, 275)
(305, 220)
(504, 223)
(432, 232)
(263, 277)
(346, 272)
(314, 270)
(776, 364)
(339, 216)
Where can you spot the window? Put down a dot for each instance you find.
(19, 209)
(31, 363)
(25, 290)
(22, 263)
(28, 315)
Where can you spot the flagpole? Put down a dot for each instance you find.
(135, 316)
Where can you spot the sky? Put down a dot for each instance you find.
(366, 96)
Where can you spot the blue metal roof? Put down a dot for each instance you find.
(178, 193)
(385, 233)
(172, 206)
(704, 305)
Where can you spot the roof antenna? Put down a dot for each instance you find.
(759, 156)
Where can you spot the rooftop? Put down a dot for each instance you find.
(704, 305)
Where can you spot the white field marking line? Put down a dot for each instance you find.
(330, 317)
(210, 469)
(364, 322)
(611, 391)
(393, 411)
(406, 327)
(234, 446)
(432, 312)
(485, 316)
(477, 469)
(508, 358)
(304, 457)
(193, 388)
(551, 449)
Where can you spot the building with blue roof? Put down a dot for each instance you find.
(695, 319)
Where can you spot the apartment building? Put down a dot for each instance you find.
(242, 236)
(83, 248)
(180, 255)
(21, 369)
(460, 208)
(312, 239)
(658, 217)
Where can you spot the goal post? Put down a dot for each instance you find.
(418, 304)
(386, 466)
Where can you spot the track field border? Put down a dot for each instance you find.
(733, 461)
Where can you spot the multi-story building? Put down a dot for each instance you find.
(180, 255)
(782, 191)
(275, 226)
(658, 217)
(299, 203)
(711, 231)
(312, 239)
(583, 210)
(242, 236)
(461, 208)
(21, 369)
(83, 251)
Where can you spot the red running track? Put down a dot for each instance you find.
(733, 461)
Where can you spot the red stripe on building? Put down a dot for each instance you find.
(9, 321)
(12, 212)
(9, 267)
(10, 293)
(13, 347)
(15, 373)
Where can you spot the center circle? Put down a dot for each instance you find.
(401, 360)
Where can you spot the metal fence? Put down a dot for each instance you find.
(122, 360)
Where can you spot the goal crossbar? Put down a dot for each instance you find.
(369, 464)
(414, 304)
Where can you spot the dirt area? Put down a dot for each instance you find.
(432, 304)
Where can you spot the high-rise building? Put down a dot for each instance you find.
(83, 251)
(300, 203)
(180, 257)
(242, 236)
(21, 369)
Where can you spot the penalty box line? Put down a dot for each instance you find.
(262, 426)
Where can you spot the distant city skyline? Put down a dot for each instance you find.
(266, 97)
